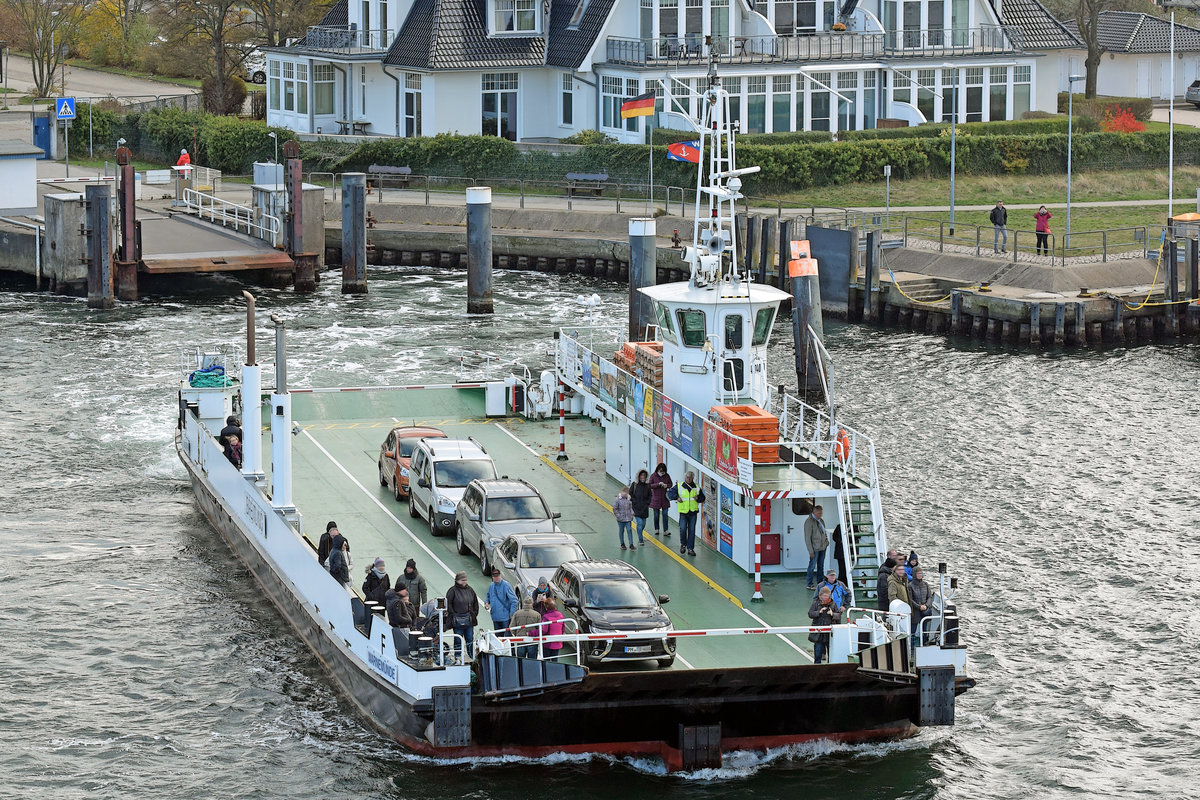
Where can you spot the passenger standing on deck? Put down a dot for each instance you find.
(910, 565)
(898, 586)
(233, 449)
(541, 594)
(412, 580)
(823, 611)
(401, 613)
(526, 622)
(839, 552)
(999, 218)
(881, 583)
(462, 604)
(233, 425)
(690, 498)
(501, 601)
(554, 627)
(623, 511)
(816, 540)
(326, 544)
(377, 583)
(339, 557)
(920, 596)
(838, 591)
(660, 482)
(640, 494)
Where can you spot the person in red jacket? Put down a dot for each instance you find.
(1042, 227)
(184, 159)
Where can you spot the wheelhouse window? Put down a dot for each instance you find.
(762, 326)
(664, 323)
(691, 327)
(734, 374)
(733, 332)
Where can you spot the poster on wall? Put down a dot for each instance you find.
(710, 445)
(639, 399)
(623, 390)
(571, 364)
(657, 414)
(608, 383)
(648, 407)
(676, 425)
(726, 453)
(668, 407)
(685, 430)
(726, 525)
(709, 529)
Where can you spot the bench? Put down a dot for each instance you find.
(396, 176)
(589, 182)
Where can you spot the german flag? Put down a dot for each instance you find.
(640, 106)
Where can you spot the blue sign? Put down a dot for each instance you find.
(64, 108)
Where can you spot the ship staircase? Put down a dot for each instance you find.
(866, 549)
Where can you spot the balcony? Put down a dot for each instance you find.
(678, 51)
(346, 40)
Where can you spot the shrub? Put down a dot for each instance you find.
(258, 105)
(589, 136)
(1141, 107)
(1121, 121)
(226, 98)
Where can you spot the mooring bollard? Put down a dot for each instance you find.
(643, 253)
(806, 316)
(354, 232)
(479, 250)
(99, 248)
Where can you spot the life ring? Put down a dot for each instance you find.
(841, 447)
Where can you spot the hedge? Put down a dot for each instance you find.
(1097, 106)
(1025, 127)
(666, 136)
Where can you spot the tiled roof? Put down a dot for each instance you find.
(452, 34)
(338, 15)
(1132, 32)
(1039, 30)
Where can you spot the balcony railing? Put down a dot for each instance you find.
(814, 47)
(347, 40)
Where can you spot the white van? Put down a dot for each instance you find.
(438, 476)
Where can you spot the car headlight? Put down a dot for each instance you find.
(446, 504)
(404, 472)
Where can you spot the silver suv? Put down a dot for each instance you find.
(439, 474)
(492, 509)
(525, 558)
(1192, 95)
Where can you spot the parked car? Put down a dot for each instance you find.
(524, 558)
(492, 509)
(395, 455)
(254, 66)
(1192, 95)
(612, 596)
(443, 468)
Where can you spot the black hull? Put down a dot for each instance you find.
(608, 712)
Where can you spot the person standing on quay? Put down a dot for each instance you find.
(999, 218)
(1041, 221)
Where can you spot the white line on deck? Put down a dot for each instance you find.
(684, 660)
(382, 507)
(513, 436)
(782, 638)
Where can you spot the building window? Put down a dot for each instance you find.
(500, 104)
(289, 86)
(516, 16)
(567, 109)
(756, 104)
(273, 87)
(902, 88)
(719, 9)
(362, 94)
(950, 95)
(323, 82)
(868, 100)
(819, 101)
(734, 87)
(693, 20)
(925, 81)
(847, 86)
(1021, 80)
(974, 94)
(614, 92)
(668, 18)
(781, 103)
(795, 16)
(412, 104)
(998, 93)
(935, 23)
(647, 19)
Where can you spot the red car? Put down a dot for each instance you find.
(395, 453)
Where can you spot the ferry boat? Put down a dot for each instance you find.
(695, 396)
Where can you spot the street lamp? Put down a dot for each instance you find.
(1070, 121)
(275, 137)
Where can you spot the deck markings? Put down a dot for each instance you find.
(513, 436)
(782, 638)
(382, 507)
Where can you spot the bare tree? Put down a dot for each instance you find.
(43, 29)
(1088, 21)
(221, 26)
(279, 20)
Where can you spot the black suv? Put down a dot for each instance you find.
(612, 597)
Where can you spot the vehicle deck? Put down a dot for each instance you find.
(335, 477)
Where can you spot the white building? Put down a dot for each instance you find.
(541, 71)
(1137, 57)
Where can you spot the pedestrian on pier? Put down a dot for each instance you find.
(1041, 222)
(660, 483)
(623, 511)
(999, 218)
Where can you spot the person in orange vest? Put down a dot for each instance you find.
(184, 159)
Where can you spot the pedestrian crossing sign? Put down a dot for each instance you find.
(64, 108)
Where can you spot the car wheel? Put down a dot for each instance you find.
(383, 481)
(462, 543)
(412, 507)
(396, 491)
(433, 531)
(1197, 105)
(666, 662)
(484, 566)
(259, 77)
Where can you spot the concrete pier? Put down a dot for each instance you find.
(479, 250)
(354, 233)
(641, 275)
(99, 247)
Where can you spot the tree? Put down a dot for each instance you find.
(1088, 22)
(279, 20)
(115, 31)
(43, 28)
(221, 27)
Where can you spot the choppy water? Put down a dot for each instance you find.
(138, 661)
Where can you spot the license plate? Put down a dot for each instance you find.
(640, 649)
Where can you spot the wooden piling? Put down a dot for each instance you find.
(1035, 325)
(786, 227)
(1060, 324)
(979, 324)
(1008, 331)
(751, 244)
(766, 256)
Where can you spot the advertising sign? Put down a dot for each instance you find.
(726, 512)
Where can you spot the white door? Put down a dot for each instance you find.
(795, 551)
(1143, 77)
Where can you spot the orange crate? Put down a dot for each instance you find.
(753, 423)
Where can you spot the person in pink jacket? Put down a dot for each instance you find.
(623, 511)
(1042, 227)
(554, 627)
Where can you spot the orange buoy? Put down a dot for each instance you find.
(841, 447)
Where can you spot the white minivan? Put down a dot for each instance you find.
(438, 475)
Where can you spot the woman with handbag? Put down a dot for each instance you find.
(823, 612)
(462, 605)
(660, 483)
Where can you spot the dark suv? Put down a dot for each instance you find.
(613, 597)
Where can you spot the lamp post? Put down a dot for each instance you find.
(275, 137)
(953, 139)
(1070, 130)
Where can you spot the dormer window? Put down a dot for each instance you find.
(515, 17)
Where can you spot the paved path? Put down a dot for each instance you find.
(82, 83)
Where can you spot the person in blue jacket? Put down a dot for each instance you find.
(501, 601)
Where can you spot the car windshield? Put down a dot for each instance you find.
(458, 473)
(550, 555)
(407, 443)
(618, 594)
(501, 509)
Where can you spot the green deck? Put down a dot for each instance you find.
(343, 431)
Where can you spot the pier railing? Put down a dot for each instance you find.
(230, 215)
(805, 433)
(978, 240)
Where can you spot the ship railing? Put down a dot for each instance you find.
(482, 365)
(498, 641)
(815, 434)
